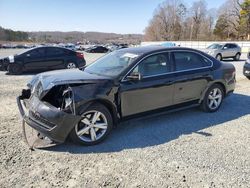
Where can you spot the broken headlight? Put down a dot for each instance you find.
(68, 100)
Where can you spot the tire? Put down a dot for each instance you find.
(212, 101)
(88, 133)
(71, 65)
(237, 57)
(248, 77)
(15, 69)
(219, 57)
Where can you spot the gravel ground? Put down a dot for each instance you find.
(184, 149)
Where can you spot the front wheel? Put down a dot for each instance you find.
(94, 127)
(213, 98)
(219, 57)
(237, 57)
(15, 69)
(248, 77)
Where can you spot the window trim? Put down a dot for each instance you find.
(168, 51)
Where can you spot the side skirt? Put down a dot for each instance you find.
(163, 111)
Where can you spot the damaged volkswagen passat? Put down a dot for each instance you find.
(85, 104)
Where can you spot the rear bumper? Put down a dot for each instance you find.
(246, 69)
(46, 119)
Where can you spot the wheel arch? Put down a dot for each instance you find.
(210, 85)
(109, 105)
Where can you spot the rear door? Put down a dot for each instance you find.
(34, 59)
(55, 58)
(153, 91)
(192, 73)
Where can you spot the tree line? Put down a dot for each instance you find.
(10, 35)
(173, 20)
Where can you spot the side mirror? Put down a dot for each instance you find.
(134, 76)
(224, 48)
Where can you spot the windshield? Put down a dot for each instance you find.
(215, 46)
(112, 64)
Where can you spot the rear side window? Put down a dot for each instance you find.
(54, 51)
(189, 60)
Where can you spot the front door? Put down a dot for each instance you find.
(35, 59)
(153, 91)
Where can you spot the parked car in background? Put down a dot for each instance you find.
(224, 50)
(97, 49)
(86, 104)
(44, 59)
(246, 68)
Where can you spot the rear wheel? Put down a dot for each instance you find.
(237, 57)
(94, 127)
(213, 98)
(219, 57)
(71, 65)
(15, 69)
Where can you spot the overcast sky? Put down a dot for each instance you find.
(118, 16)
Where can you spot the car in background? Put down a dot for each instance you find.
(87, 103)
(97, 49)
(246, 68)
(224, 50)
(44, 59)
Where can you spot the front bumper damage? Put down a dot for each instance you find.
(52, 124)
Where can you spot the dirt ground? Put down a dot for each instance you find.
(184, 149)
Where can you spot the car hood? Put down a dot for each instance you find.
(61, 77)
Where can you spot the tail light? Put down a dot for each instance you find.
(80, 55)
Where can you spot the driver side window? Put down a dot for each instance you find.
(154, 65)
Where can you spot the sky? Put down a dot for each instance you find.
(113, 16)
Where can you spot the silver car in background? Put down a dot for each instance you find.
(224, 50)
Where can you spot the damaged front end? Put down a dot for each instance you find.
(50, 114)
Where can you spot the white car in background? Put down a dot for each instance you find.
(224, 50)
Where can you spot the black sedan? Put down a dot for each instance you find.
(86, 104)
(97, 49)
(246, 68)
(43, 59)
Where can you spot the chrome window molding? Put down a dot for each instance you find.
(168, 51)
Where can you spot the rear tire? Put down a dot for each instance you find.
(71, 65)
(219, 57)
(15, 69)
(237, 57)
(213, 98)
(94, 127)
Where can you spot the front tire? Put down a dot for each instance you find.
(94, 127)
(15, 69)
(237, 57)
(213, 98)
(219, 57)
(248, 77)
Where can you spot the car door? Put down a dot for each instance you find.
(55, 58)
(34, 59)
(226, 51)
(192, 73)
(153, 91)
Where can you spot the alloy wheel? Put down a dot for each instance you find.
(71, 66)
(215, 98)
(92, 127)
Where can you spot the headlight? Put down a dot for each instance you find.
(11, 59)
(68, 100)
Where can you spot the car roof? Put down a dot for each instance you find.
(150, 49)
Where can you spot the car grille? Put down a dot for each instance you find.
(43, 122)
